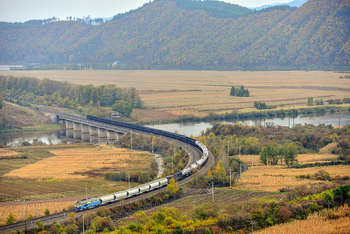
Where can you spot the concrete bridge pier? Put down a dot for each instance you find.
(62, 131)
(77, 131)
(69, 129)
(93, 132)
(112, 137)
(85, 133)
(102, 135)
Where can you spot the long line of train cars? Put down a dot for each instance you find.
(150, 186)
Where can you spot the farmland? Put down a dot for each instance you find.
(54, 177)
(198, 93)
(76, 163)
(274, 178)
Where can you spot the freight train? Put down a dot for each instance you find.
(150, 186)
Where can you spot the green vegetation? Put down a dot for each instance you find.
(270, 155)
(28, 91)
(46, 212)
(262, 106)
(320, 175)
(239, 92)
(10, 219)
(276, 38)
(209, 217)
(250, 140)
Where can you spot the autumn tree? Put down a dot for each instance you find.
(268, 155)
(290, 154)
(172, 188)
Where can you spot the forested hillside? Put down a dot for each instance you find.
(185, 33)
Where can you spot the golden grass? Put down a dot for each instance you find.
(251, 160)
(315, 224)
(273, 178)
(36, 209)
(198, 92)
(312, 158)
(72, 163)
(328, 148)
(7, 153)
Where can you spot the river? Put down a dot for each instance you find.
(188, 128)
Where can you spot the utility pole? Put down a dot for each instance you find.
(230, 178)
(228, 148)
(129, 180)
(25, 217)
(212, 191)
(173, 158)
(240, 169)
(85, 192)
(130, 139)
(239, 148)
(152, 145)
(83, 225)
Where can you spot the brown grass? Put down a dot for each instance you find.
(312, 158)
(328, 148)
(75, 163)
(7, 153)
(203, 92)
(20, 116)
(36, 209)
(315, 224)
(273, 178)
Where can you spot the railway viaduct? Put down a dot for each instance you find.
(79, 128)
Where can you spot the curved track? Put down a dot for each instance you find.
(194, 153)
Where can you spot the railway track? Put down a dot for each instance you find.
(194, 153)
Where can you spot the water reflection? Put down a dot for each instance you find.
(196, 129)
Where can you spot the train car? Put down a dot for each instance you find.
(144, 188)
(87, 204)
(133, 192)
(121, 195)
(158, 183)
(108, 199)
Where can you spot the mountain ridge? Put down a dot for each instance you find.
(162, 33)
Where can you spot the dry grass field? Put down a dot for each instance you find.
(34, 209)
(202, 92)
(315, 224)
(7, 153)
(79, 163)
(273, 178)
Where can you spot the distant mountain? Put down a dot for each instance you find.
(190, 34)
(295, 3)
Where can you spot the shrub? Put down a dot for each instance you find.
(10, 219)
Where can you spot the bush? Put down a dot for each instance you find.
(10, 219)
(47, 212)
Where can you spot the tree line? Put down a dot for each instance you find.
(28, 91)
(239, 91)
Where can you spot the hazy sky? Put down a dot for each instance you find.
(22, 10)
